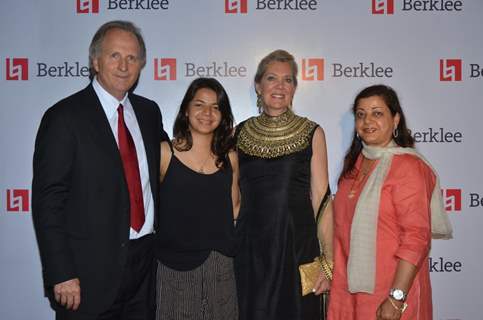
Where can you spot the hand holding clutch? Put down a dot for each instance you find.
(309, 273)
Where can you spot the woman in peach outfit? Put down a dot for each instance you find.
(387, 208)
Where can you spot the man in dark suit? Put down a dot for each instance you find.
(95, 187)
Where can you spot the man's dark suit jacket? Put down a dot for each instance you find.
(80, 198)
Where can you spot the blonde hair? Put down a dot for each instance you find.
(277, 56)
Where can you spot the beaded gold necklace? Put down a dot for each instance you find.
(270, 137)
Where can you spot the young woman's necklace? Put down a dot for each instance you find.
(202, 166)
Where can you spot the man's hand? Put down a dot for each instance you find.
(67, 293)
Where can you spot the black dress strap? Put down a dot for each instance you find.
(170, 143)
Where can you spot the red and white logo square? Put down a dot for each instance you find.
(450, 69)
(17, 68)
(452, 199)
(87, 6)
(382, 6)
(313, 69)
(165, 69)
(18, 200)
(236, 6)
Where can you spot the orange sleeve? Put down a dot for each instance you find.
(414, 183)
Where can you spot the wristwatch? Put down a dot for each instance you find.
(398, 294)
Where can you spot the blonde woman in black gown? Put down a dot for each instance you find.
(283, 182)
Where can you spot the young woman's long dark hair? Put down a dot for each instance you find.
(223, 140)
(403, 138)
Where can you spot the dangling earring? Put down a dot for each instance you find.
(395, 132)
(357, 136)
(259, 102)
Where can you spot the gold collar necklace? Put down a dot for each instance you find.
(279, 121)
(269, 137)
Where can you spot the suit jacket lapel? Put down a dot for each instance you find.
(102, 132)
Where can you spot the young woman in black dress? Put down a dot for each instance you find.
(199, 201)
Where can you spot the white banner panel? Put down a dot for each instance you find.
(430, 51)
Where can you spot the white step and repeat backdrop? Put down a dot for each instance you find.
(430, 51)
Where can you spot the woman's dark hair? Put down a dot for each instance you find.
(223, 140)
(403, 139)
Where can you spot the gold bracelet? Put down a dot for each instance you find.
(401, 309)
(326, 267)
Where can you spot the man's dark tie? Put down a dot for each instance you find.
(131, 171)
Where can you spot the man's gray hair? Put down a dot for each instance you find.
(96, 43)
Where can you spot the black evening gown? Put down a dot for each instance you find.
(279, 234)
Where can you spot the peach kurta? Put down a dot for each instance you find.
(403, 232)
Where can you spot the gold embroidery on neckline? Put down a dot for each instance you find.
(270, 137)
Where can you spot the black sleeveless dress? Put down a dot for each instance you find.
(276, 218)
(195, 216)
(195, 245)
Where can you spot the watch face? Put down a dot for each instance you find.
(398, 294)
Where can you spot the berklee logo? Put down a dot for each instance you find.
(450, 69)
(17, 68)
(437, 135)
(444, 265)
(382, 6)
(432, 5)
(436, 6)
(313, 69)
(17, 200)
(236, 6)
(452, 199)
(165, 69)
(87, 6)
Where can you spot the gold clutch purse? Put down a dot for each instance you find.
(309, 273)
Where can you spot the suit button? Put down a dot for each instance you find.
(123, 244)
